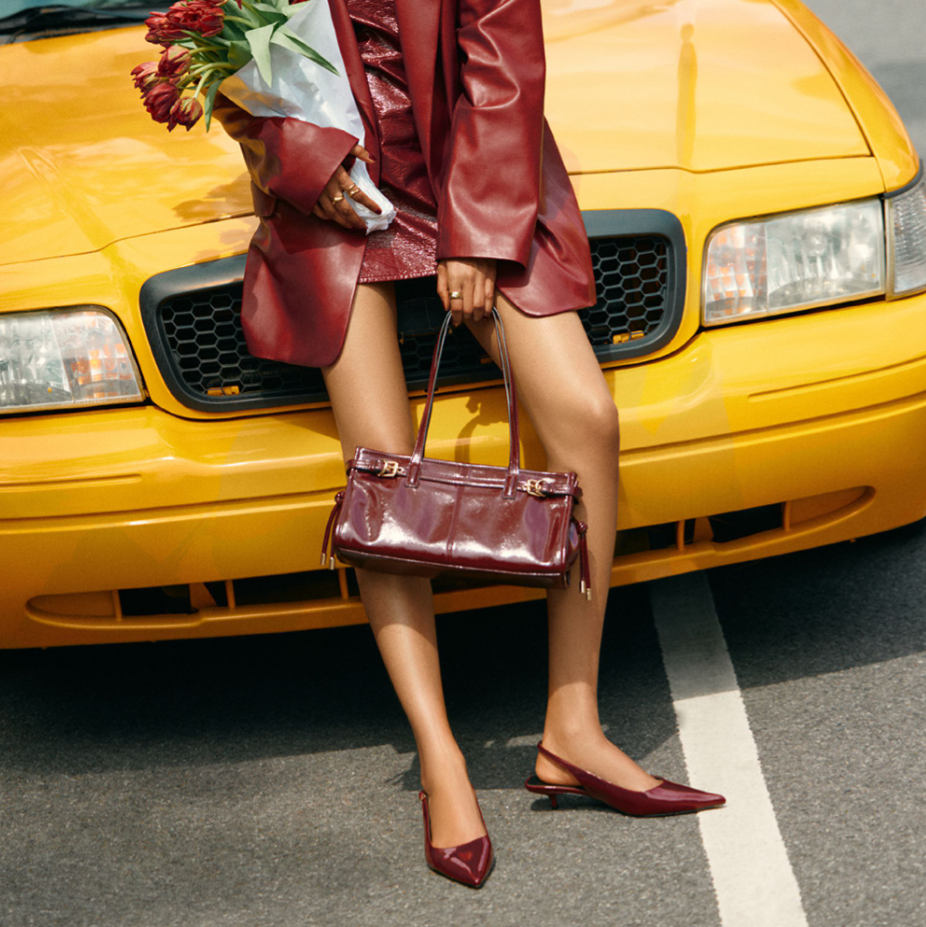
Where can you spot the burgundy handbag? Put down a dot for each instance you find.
(426, 517)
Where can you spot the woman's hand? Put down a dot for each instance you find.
(339, 210)
(474, 280)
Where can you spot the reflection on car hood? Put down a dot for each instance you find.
(81, 162)
(697, 84)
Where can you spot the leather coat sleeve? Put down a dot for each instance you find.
(490, 194)
(287, 158)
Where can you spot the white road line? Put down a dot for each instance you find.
(749, 864)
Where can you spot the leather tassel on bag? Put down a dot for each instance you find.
(338, 499)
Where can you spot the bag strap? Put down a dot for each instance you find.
(514, 454)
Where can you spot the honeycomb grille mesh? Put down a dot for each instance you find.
(206, 347)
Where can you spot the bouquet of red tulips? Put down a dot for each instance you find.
(205, 41)
(257, 52)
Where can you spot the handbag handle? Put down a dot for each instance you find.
(514, 455)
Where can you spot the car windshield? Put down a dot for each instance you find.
(22, 20)
(9, 7)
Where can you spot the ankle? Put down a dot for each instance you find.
(442, 766)
(572, 738)
(597, 755)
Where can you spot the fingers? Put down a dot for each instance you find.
(467, 287)
(442, 288)
(457, 304)
(339, 183)
(361, 197)
(358, 151)
(335, 205)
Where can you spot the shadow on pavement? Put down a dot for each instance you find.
(190, 703)
(825, 610)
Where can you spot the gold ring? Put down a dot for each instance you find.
(456, 294)
(353, 190)
(338, 198)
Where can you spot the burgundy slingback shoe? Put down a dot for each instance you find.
(469, 863)
(663, 799)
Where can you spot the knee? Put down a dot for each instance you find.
(590, 429)
(600, 424)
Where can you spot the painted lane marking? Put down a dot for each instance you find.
(753, 878)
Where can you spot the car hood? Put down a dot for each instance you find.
(700, 85)
(83, 165)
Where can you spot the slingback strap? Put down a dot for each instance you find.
(338, 499)
(514, 454)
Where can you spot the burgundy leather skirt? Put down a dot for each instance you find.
(407, 248)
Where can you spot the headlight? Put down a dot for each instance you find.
(907, 230)
(798, 260)
(64, 358)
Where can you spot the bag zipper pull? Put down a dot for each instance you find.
(338, 499)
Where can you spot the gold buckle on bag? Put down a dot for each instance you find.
(390, 468)
(535, 488)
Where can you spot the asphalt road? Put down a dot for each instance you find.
(271, 781)
(888, 37)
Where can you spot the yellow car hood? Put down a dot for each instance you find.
(698, 84)
(83, 165)
(701, 85)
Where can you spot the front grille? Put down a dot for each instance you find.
(193, 320)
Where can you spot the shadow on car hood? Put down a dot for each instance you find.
(696, 84)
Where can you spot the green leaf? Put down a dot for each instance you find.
(286, 39)
(270, 8)
(239, 53)
(231, 32)
(209, 101)
(270, 13)
(259, 41)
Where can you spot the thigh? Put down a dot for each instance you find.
(366, 384)
(559, 378)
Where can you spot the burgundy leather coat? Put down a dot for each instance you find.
(476, 72)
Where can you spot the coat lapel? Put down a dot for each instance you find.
(347, 41)
(419, 21)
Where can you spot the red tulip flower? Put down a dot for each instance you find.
(161, 31)
(201, 47)
(160, 99)
(185, 112)
(200, 16)
(175, 61)
(145, 75)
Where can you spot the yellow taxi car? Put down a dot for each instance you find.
(757, 216)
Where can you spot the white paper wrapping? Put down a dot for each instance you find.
(302, 89)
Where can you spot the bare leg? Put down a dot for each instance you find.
(561, 387)
(370, 403)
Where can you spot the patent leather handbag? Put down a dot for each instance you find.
(428, 517)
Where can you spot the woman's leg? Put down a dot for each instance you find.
(561, 387)
(369, 398)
